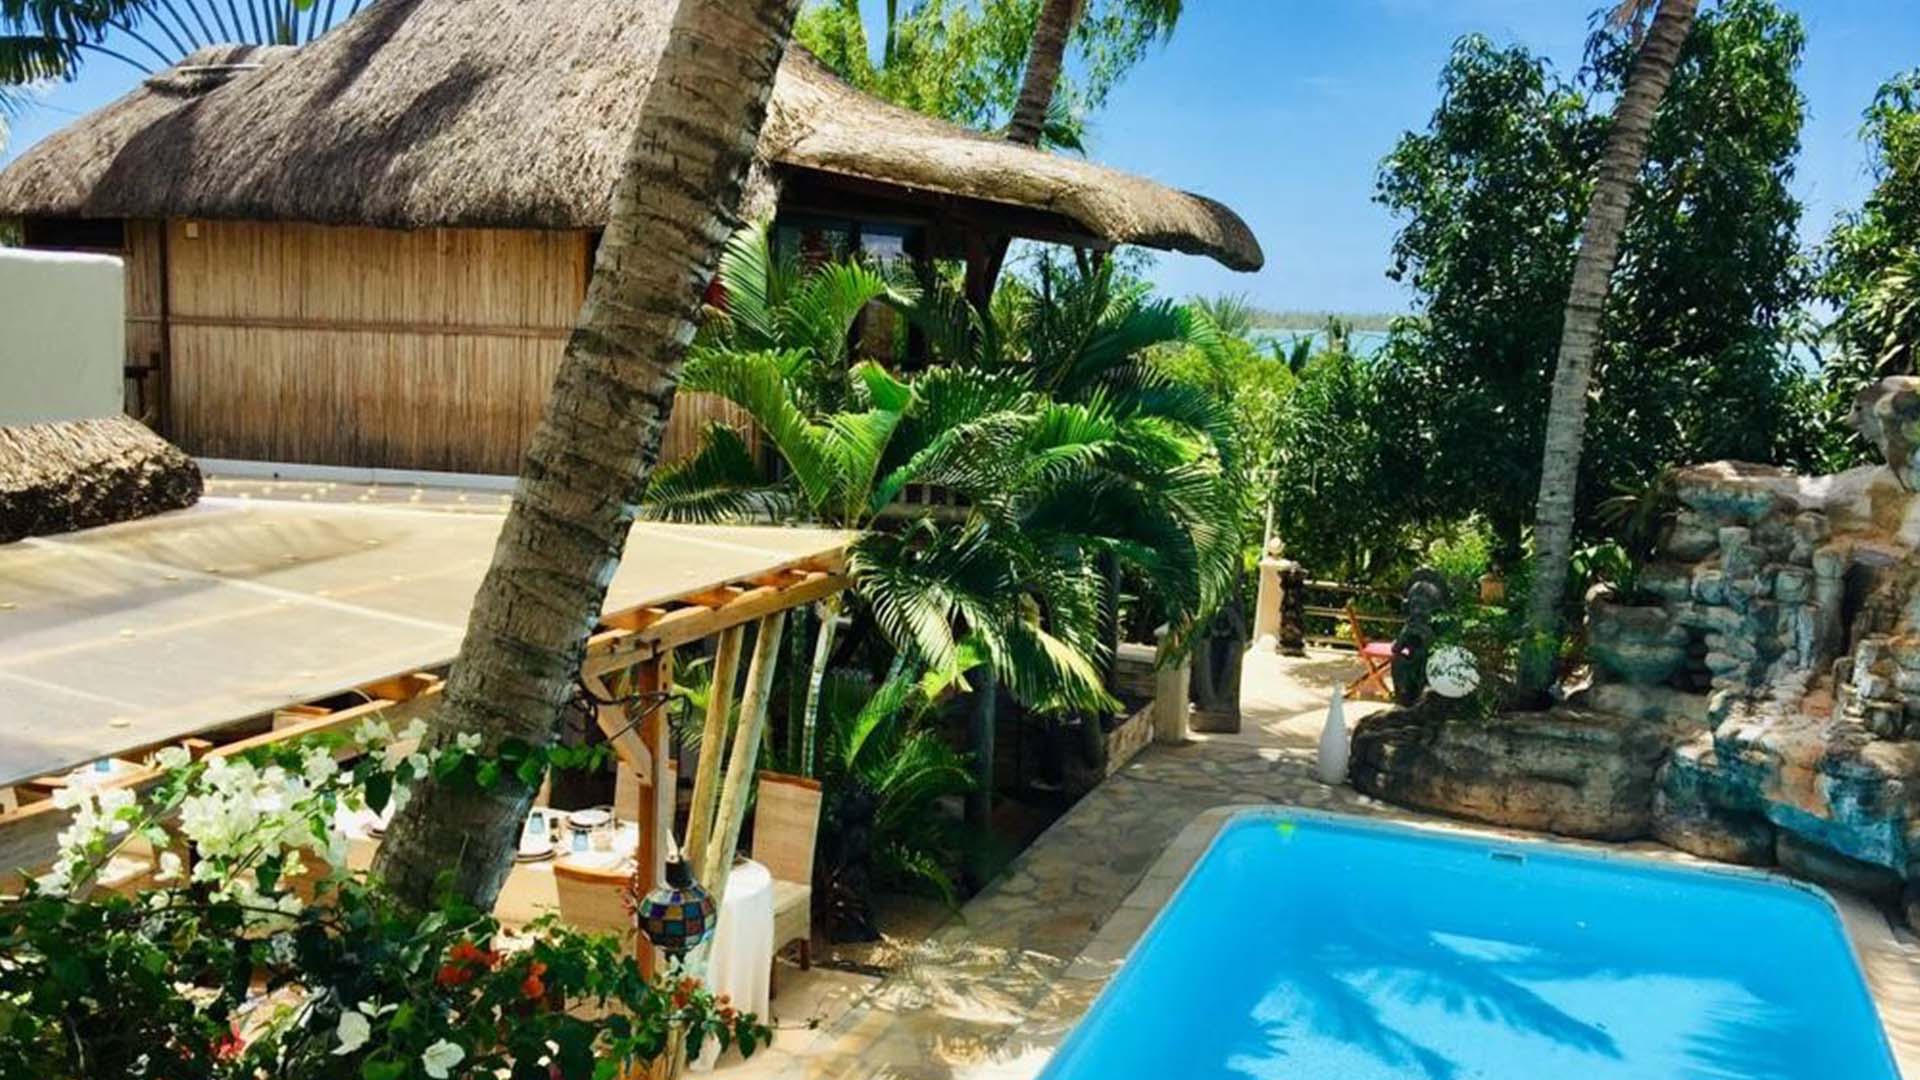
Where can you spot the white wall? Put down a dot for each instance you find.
(63, 334)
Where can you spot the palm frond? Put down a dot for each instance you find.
(720, 482)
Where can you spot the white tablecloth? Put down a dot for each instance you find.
(740, 960)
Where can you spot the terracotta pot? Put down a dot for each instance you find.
(1493, 589)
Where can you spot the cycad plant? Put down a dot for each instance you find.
(885, 770)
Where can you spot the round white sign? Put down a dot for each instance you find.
(1451, 672)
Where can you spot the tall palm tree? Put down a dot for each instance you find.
(1035, 111)
(694, 137)
(1599, 252)
(49, 39)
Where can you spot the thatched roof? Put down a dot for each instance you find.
(76, 474)
(516, 113)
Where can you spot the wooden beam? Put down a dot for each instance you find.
(713, 743)
(752, 605)
(738, 781)
(612, 650)
(622, 732)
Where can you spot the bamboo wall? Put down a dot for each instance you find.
(346, 346)
(432, 349)
(146, 300)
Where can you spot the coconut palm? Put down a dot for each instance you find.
(1620, 164)
(49, 39)
(1036, 111)
(598, 437)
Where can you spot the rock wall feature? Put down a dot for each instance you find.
(1758, 700)
(1569, 771)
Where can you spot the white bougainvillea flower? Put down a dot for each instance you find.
(440, 1058)
(170, 867)
(353, 1032)
(173, 757)
(467, 742)
(416, 730)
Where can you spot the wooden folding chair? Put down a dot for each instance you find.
(1376, 655)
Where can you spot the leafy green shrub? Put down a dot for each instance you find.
(254, 894)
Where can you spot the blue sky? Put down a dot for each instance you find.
(1283, 108)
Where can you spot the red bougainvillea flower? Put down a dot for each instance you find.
(531, 986)
(230, 1047)
(466, 952)
(451, 975)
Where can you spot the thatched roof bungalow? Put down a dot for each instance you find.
(369, 250)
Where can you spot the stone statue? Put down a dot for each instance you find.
(1293, 609)
(1887, 414)
(1426, 595)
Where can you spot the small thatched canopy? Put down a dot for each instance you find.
(516, 114)
(76, 474)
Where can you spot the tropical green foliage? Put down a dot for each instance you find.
(254, 893)
(49, 39)
(886, 769)
(1694, 362)
(1871, 262)
(1044, 418)
(962, 60)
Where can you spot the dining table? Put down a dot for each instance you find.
(739, 957)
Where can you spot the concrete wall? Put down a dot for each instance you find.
(62, 336)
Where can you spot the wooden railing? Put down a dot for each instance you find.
(1326, 613)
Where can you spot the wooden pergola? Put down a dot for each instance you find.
(242, 623)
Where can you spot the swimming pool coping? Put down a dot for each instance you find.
(1890, 966)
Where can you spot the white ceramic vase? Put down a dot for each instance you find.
(1333, 741)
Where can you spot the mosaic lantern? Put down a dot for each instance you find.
(677, 915)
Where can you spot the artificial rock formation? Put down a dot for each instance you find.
(1776, 660)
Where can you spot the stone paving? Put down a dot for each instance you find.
(991, 994)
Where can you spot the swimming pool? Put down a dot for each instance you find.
(1307, 946)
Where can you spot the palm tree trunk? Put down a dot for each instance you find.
(1045, 57)
(1620, 165)
(829, 610)
(672, 210)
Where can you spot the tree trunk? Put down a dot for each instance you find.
(673, 208)
(829, 610)
(979, 802)
(1045, 57)
(1620, 165)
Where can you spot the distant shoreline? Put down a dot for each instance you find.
(1371, 321)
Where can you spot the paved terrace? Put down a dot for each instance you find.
(992, 992)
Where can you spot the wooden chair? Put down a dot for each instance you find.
(589, 899)
(1376, 655)
(785, 822)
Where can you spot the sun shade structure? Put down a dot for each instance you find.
(141, 634)
(253, 621)
(517, 114)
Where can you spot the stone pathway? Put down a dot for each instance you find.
(990, 994)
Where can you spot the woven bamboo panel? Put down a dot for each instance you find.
(368, 347)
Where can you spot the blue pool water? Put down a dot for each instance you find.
(1305, 947)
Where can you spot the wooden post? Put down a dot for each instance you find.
(713, 744)
(738, 780)
(1171, 687)
(650, 853)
